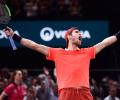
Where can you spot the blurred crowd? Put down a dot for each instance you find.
(105, 89)
(43, 87)
(42, 9)
(37, 87)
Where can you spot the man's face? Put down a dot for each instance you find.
(76, 37)
(113, 92)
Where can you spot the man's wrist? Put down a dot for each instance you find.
(118, 35)
(16, 37)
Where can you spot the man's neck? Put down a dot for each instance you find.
(73, 47)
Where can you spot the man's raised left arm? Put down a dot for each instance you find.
(106, 42)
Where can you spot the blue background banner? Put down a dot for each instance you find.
(51, 33)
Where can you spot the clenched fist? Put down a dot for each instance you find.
(8, 31)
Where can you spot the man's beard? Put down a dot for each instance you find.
(77, 43)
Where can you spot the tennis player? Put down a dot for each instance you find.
(72, 63)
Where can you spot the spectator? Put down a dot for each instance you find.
(15, 90)
(31, 95)
(43, 92)
(112, 94)
(95, 90)
(44, 8)
(75, 8)
(5, 73)
(31, 8)
(2, 85)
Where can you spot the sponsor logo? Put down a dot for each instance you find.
(47, 34)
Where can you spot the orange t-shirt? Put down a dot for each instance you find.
(72, 66)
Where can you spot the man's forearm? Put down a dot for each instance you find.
(35, 46)
(31, 44)
(106, 42)
(110, 40)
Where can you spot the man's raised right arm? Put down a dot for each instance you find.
(27, 43)
(32, 45)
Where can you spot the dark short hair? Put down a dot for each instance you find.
(68, 32)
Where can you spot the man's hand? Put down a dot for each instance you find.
(118, 35)
(8, 31)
